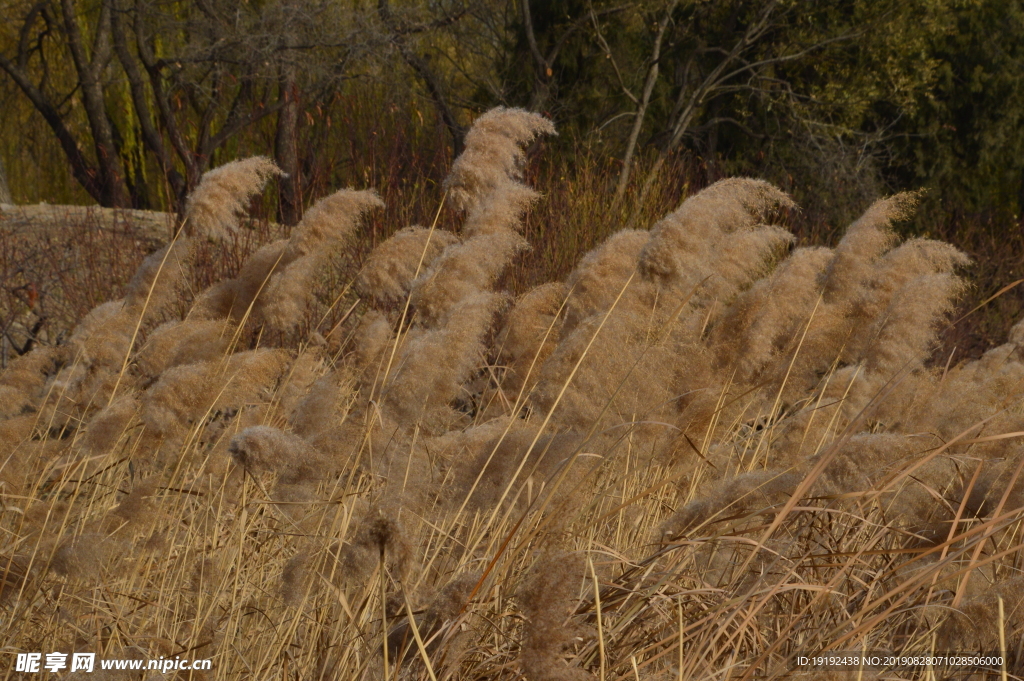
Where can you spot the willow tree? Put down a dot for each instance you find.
(129, 86)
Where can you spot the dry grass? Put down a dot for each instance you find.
(701, 455)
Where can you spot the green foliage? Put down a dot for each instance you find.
(966, 136)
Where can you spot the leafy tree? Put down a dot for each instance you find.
(966, 136)
(749, 82)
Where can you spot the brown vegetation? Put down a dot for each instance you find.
(704, 453)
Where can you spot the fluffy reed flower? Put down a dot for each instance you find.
(155, 286)
(631, 333)
(262, 448)
(84, 557)
(212, 212)
(452, 298)
(862, 459)
(102, 338)
(500, 211)
(733, 496)
(623, 373)
(379, 537)
(15, 572)
(185, 393)
(391, 268)
(15, 445)
(493, 154)
(331, 221)
(434, 363)
(449, 602)
(765, 321)
(181, 342)
(273, 285)
(914, 258)
(373, 336)
(776, 360)
(975, 626)
(223, 194)
(295, 579)
(286, 286)
(463, 270)
(743, 258)
(107, 427)
(14, 401)
(485, 477)
(232, 299)
(137, 505)
(867, 239)
(22, 383)
(180, 396)
(681, 251)
(904, 334)
(531, 333)
(311, 398)
(546, 597)
(602, 274)
(102, 342)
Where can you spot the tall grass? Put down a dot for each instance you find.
(701, 453)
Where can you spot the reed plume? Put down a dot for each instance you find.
(700, 445)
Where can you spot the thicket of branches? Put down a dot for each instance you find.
(138, 98)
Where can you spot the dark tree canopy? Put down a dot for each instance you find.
(141, 96)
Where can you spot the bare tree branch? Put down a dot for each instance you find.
(608, 53)
(425, 73)
(720, 80)
(543, 76)
(150, 134)
(645, 99)
(82, 170)
(90, 69)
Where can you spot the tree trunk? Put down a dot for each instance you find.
(114, 191)
(151, 135)
(285, 139)
(641, 110)
(430, 80)
(84, 172)
(436, 91)
(5, 192)
(541, 90)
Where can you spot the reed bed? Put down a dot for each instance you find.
(704, 454)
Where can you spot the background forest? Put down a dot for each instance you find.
(127, 102)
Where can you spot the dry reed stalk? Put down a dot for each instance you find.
(753, 444)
